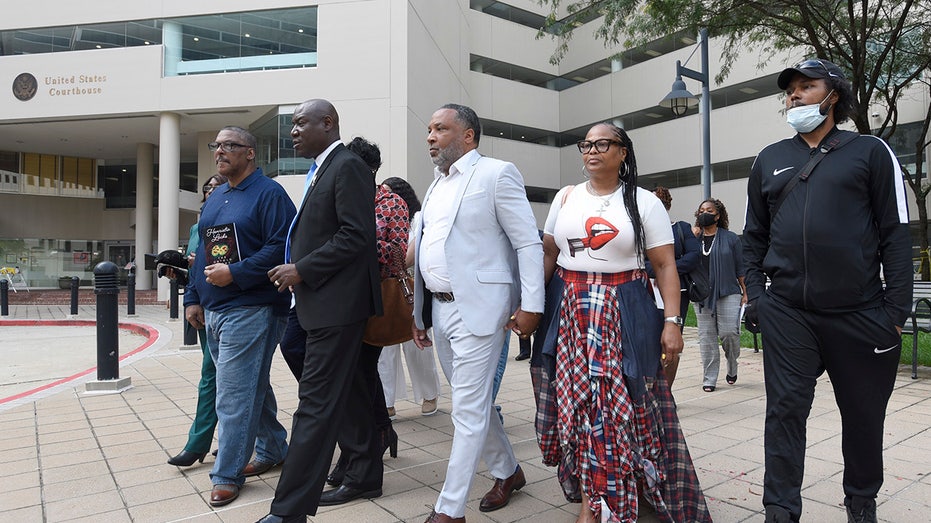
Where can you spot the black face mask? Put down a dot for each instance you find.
(706, 219)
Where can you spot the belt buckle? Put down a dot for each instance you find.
(444, 297)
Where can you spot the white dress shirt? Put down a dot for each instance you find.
(437, 217)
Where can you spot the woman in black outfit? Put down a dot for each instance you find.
(687, 258)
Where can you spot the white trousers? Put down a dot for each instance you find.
(421, 365)
(469, 363)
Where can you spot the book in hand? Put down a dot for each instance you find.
(221, 244)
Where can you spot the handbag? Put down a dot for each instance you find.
(397, 296)
(696, 282)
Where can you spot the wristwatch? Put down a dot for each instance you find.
(675, 319)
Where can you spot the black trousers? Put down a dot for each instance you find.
(330, 364)
(860, 352)
(359, 437)
(293, 345)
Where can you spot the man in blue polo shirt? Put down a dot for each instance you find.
(243, 227)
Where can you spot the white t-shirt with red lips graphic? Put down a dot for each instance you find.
(595, 234)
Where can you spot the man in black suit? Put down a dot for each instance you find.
(331, 265)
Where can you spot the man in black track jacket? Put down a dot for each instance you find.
(823, 244)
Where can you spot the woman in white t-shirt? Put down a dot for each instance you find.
(617, 432)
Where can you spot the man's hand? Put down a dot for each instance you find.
(284, 276)
(421, 340)
(218, 274)
(195, 316)
(523, 323)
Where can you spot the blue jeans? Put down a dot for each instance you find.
(242, 342)
(499, 372)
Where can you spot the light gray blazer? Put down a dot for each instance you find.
(493, 251)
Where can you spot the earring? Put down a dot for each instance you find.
(623, 171)
(585, 173)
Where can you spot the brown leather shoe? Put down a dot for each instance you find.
(223, 495)
(439, 517)
(500, 494)
(256, 467)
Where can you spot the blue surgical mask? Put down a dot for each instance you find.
(806, 118)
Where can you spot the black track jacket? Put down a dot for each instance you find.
(823, 249)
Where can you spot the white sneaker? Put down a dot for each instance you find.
(429, 407)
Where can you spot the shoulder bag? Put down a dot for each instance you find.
(397, 295)
(696, 282)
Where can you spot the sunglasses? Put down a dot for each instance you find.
(814, 63)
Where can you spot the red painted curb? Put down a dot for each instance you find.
(149, 333)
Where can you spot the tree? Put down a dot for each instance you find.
(884, 46)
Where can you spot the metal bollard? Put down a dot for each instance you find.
(107, 289)
(131, 294)
(173, 299)
(190, 334)
(75, 282)
(4, 298)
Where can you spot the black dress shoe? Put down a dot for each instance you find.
(335, 477)
(522, 356)
(344, 494)
(271, 518)
(186, 459)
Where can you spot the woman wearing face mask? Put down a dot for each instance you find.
(719, 314)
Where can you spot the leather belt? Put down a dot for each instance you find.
(444, 297)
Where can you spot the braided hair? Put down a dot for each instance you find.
(628, 177)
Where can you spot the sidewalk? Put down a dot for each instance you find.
(69, 456)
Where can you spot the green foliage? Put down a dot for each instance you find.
(924, 342)
(882, 45)
(924, 349)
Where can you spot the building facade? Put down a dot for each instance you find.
(105, 125)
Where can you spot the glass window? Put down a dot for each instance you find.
(77, 177)
(9, 161)
(255, 40)
(51, 262)
(40, 173)
(275, 152)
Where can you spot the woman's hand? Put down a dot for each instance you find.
(672, 343)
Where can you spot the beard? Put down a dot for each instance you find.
(446, 156)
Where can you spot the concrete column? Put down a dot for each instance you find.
(145, 167)
(169, 187)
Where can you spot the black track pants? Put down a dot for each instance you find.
(860, 352)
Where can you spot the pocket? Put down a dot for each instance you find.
(494, 276)
(474, 195)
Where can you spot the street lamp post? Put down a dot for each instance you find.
(680, 99)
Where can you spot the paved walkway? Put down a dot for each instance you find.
(70, 456)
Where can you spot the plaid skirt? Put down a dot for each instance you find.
(619, 449)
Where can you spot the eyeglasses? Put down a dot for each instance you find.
(814, 63)
(226, 147)
(601, 146)
(207, 188)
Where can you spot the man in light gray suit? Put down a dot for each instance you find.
(478, 270)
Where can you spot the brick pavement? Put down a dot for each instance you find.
(69, 456)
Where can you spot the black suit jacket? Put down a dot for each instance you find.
(333, 245)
